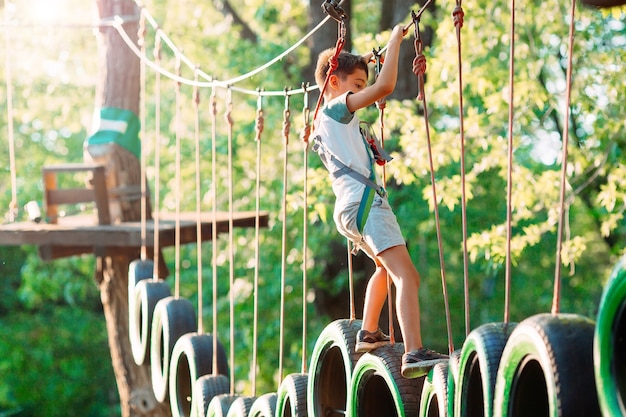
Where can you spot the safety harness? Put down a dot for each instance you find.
(377, 156)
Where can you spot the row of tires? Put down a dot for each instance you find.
(546, 365)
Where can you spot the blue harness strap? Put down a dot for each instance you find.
(371, 187)
(365, 205)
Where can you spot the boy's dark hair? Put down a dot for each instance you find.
(347, 64)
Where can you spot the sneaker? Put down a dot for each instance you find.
(366, 340)
(417, 363)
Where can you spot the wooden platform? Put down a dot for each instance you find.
(75, 235)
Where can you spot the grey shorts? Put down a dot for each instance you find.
(381, 230)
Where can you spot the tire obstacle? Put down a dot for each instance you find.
(543, 366)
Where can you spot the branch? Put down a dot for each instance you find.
(224, 7)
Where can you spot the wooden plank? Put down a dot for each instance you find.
(83, 231)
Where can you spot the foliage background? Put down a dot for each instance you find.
(50, 314)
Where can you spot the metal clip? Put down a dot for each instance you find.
(331, 8)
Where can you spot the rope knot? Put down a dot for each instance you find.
(419, 65)
(259, 124)
(458, 15)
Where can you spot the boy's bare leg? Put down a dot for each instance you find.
(375, 297)
(397, 261)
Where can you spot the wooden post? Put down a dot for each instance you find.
(119, 87)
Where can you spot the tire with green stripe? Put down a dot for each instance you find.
(192, 358)
(478, 368)
(241, 406)
(434, 398)
(292, 396)
(264, 406)
(453, 377)
(173, 317)
(220, 404)
(204, 389)
(546, 369)
(332, 361)
(609, 344)
(378, 387)
(145, 294)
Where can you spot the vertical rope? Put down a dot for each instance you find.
(141, 41)
(196, 104)
(231, 253)
(351, 281)
(13, 210)
(458, 16)
(509, 191)
(214, 227)
(283, 262)
(157, 159)
(556, 299)
(419, 68)
(259, 122)
(178, 184)
(381, 105)
(306, 114)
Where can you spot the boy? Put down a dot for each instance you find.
(348, 158)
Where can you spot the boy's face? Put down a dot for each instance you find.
(354, 82)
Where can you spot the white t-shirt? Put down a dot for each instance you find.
(338, 131)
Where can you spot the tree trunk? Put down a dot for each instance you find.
(119, 87)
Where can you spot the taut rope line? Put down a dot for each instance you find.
(214, 227)
(13, 210)
(507, 274)
(306, 115)
(231, 249)
(458, 15)
(556, 300)
(283, 261)
(419, 68)
(196, 105)
(178, 180)
(258, 127)
(157, 160)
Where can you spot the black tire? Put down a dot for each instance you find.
(241, 406)
(453, 377)
(264, 406)
(138, 270)
(192, 358)
(434, 399)
(609, 344)
(292, 396)
(478, 368)
(332, 361)
(547, 369)
(146, 295)
(219, 405)
(173, 317)
(378, 387)
(204, 389)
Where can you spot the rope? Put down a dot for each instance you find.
(283, 262)
(333, 64)
(258, 127)
(381, 104)
(556, 300)
(196, 104)
(509, 191)
(157, 160)
(419, 67)
(231, 252)
(178, 182)
(13, 210)
(141, 41)
(306, 115)
(458, 15)
(351, 281)
(118, 25)
(214, 227)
